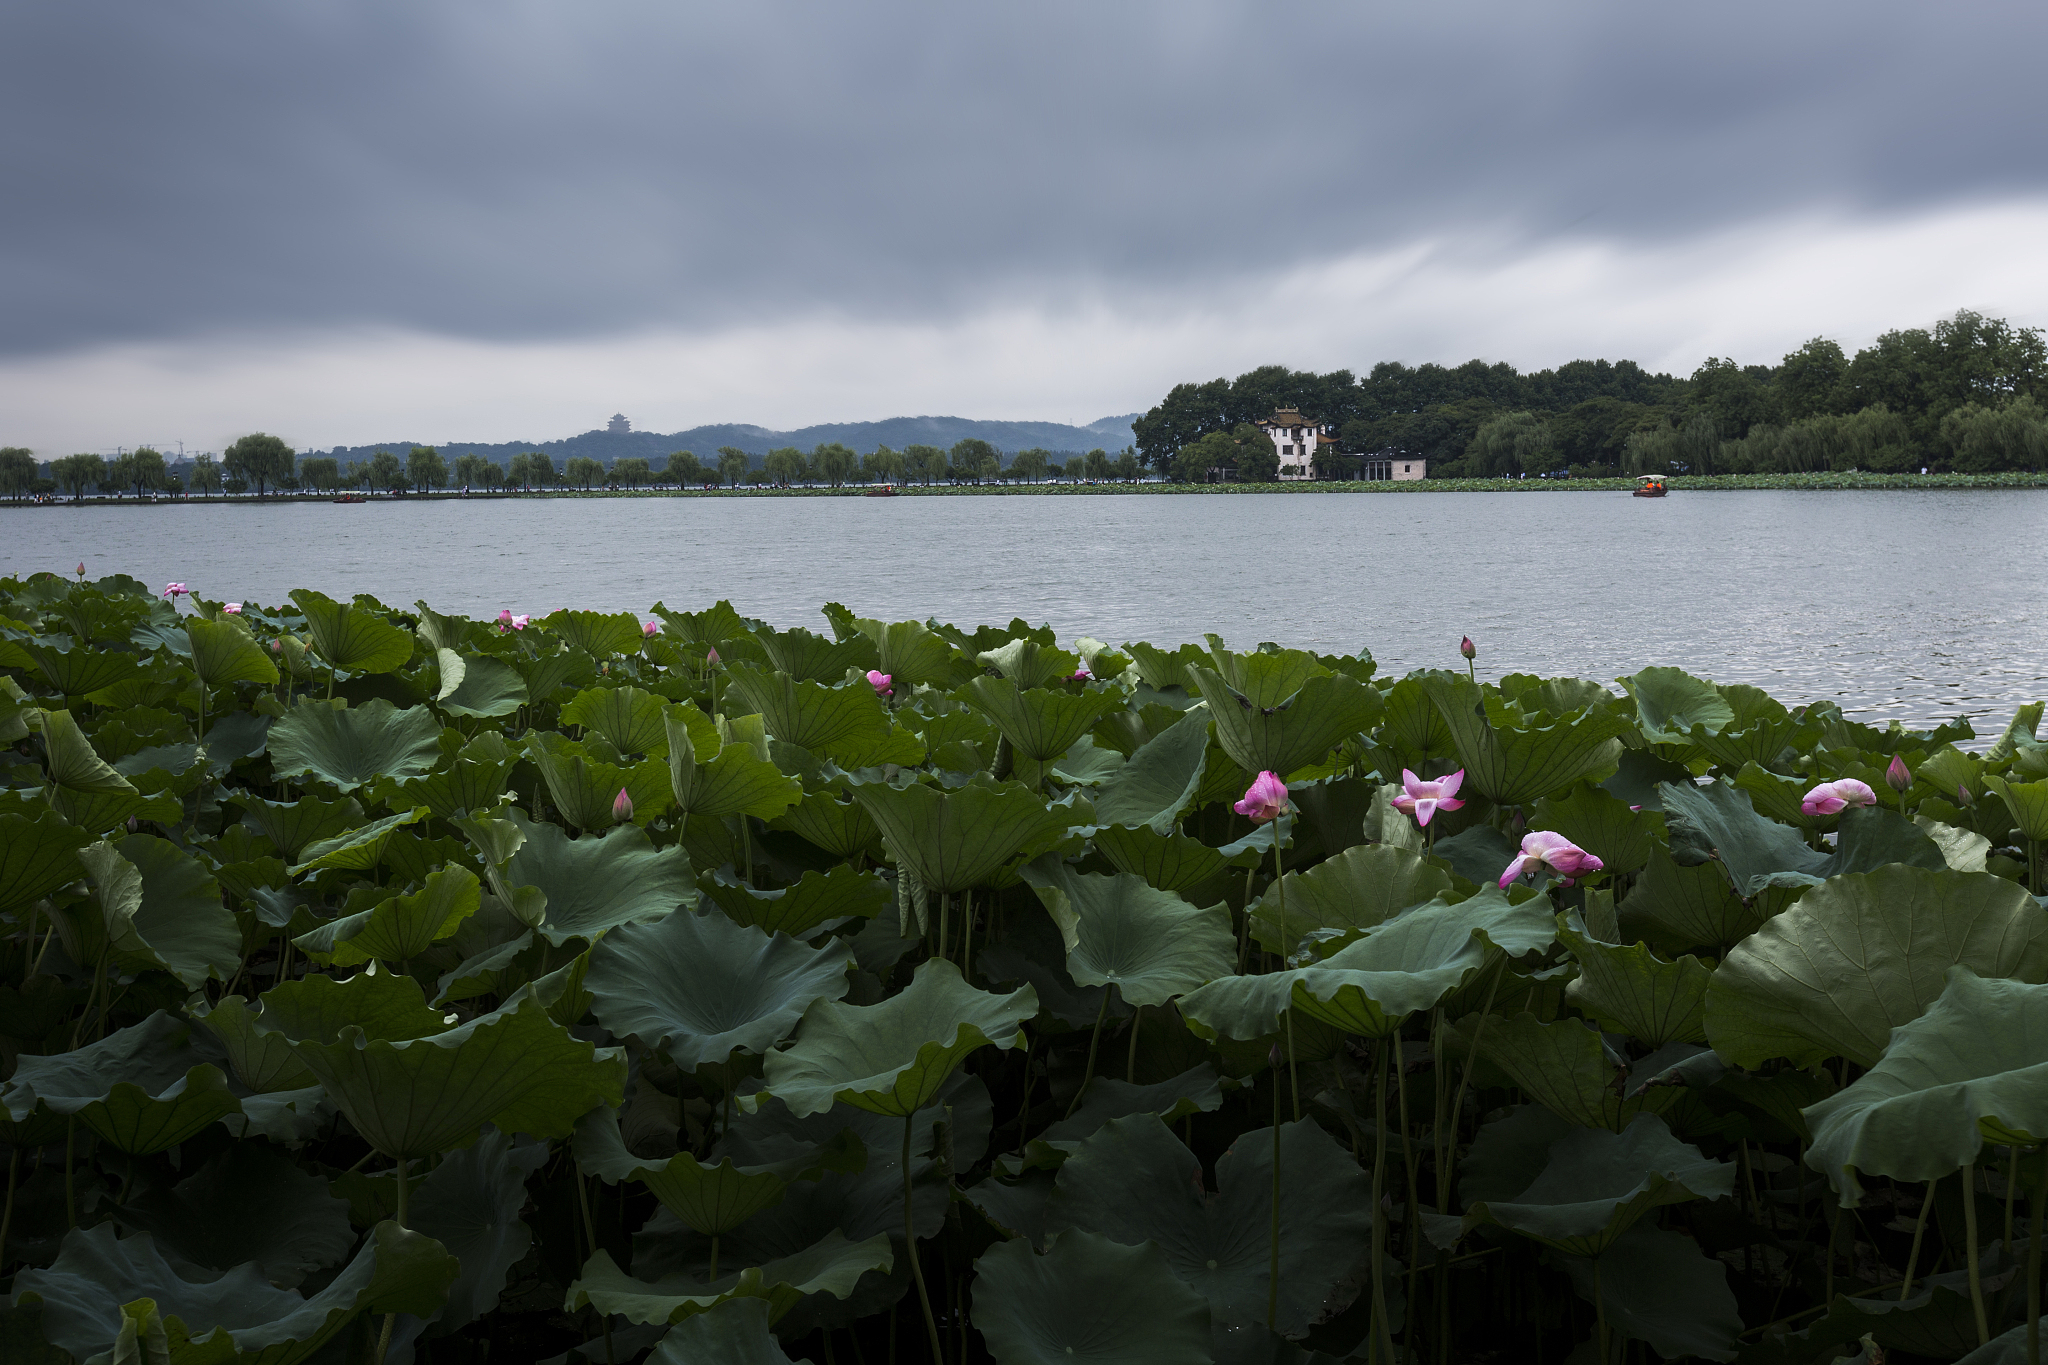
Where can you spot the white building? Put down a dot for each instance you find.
(1391, 464)
(1296, 440)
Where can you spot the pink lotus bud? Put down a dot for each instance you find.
(1898, 776)
(231, 608)
(711, 656)
(622, 807)
(1275, 1058)
(1829, 798)
(881, 681)
(504, 616)
(1466, 648)
(277, 646)
(650, 629)
(1264, 799)
(1423, 799)
(1547, 848)
(81, 568)
(131, 824)
(1963, 797)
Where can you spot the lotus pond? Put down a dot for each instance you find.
(382, 984)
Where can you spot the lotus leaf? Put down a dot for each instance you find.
(1659, 1287)
(1512, 759)
(262, 1060)
(1266, 729)
(481, 687)
(1171, 862)
(814, 899)
(1670, 702)
(833, 1266)
(1692, 905)
(470, 1204)
(1357, 889)
(237, 1316)
(248, 1205)
(351, 635)
(906, 651)
(167, 911)
(700, 986)
(403, 927)
(892, 1057)
(1040, 723)
(1963, 850)
(846, 723)
(955, 840)
(144, 1088)
(355, 850)
(1159, 782)
(1603, 825)
(2028, 802)
(710, 1199)
(629, 718)
(349, 747)
(292, 825)
(84, 788)
(1862, 954)
(1150, 944)
(597, 882)
(1088, 1299)
(813, 658)
(1630, 989)
(461, 787)
(224, 652)
(37, 855)
(734, 1333)
(597, 633)
(584, 786)
(1595, 1184)
(1972, 1070)
(842, 828)
(730, 779)
(1563, 1066)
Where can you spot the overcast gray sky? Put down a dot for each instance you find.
(353, 220)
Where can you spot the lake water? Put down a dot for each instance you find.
(1918, 605)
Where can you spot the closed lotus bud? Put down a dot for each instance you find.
(1467, 648)
(1276, 1057)
(622, 807)
(711, 656)
(1898, 776)
(1963, 797)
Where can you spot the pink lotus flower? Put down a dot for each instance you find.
(519, 622)
(1547, 848)
(277, 646)
(651, 629)
(881, 682)
(1081, 675)
(1264, 799)
(174, 591)
(1831, 797)
(1423, 799)
(622, 807)
(1467, 648)
(507, 621)
(231, 608)
(1898, 776)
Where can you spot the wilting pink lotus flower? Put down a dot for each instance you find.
(1467, 648)
(1547, 848)
(1423, 799)
(622, 807)
(1830, 797)
(1081, 675)
(1898, 776)
(519, 622)
(231, 608)
(174, 591)
(881, 681)
(651, 629)
(1264, 799)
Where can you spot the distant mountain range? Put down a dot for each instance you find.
(1111, 434)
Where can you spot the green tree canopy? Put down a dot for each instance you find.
(260, 459)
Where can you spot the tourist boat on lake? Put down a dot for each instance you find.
(1650, 486)
(350, 497)
(887, 490)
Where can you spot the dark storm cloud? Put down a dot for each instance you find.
(527, 171)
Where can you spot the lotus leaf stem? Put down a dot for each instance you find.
(1131, 1064)
(1382, 1333)
(2036, 1199)
(1600, 1314)
(7, 1218)
(1414, 1224)
(1970, 1236)
(1273, 1230)
(1919, 1229)
(2012, 1187)
(1094, 1041)
(70, 1189)
(1293, 1075)
(924, 1297)
(391, 1319)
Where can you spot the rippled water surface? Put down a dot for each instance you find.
(1915, 605)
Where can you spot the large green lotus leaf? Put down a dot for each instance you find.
(223, 652)
(841, 828)
(1603, 825)
(1963, 850)
(597, 633)
(262, 1060)
(1360, 887)
(1024, 662)
(732, 780)
(547, 672)
(1512, 759)
(292, 825)
(1169, 861)
(1160, 780)
(1657, 1286)
(1198, 1090)
(379, 1005)
(734, 1333)
(699, 986)
(1263, 729)
(458, 788)
(813, 658)
(1563, 1066)
(833, 1266)
(352, 636)
(482, 687)
(2008, 1348)
(1133, 1182)
(845, 723)
(1089, 1299)
(1972, 1070)
(442, 631)
(908, 652)
(816, 898)
(631, 719)
(716, 623)
(1040, 723)
(1160, 670)
(598, 882)
(1631, 990)
(84, 788)
(238, 1316)
(1777, 797)
(171, 914)
(956, 840)
(584, 786)
(514, 1067)
(355, 850)
(144, 1088)
(249, 1204)
(1595, 1184)
(1862, 954)
(77, 669)
(1718, 820)
(403, 927)
(1691, 905)
(348, 747)
(1670, 702)
(470, 1204)
(1150, 944)
(37, 856)
(711, 1199)
(892, 1057)
(2028, 802)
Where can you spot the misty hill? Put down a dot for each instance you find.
(1111, 434)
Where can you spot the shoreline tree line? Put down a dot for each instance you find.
(1969, 395)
